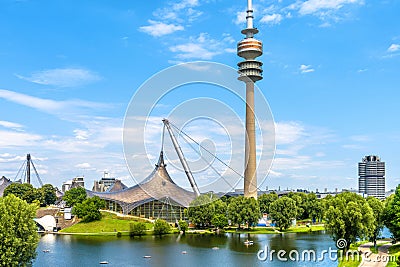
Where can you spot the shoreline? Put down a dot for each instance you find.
(257, 230)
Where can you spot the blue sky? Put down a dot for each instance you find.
(68, 70)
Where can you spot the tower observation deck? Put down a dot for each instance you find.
(250, 71)
(249, 49)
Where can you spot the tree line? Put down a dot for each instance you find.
(346, 215)
(44, 196)
(207, 210)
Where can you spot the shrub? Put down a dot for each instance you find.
(161, 227)
(183, 225)
(137, 229)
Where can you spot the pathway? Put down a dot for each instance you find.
(374, 260)
(128, 216)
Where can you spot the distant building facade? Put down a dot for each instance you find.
(78, 181)
(108, 184)
(371, 181)
(66, 186)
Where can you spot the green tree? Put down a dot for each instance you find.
(24, 191)
(161, 227)
(312, 207)
(75, 196)
(283, 211)
(377, 207)
(137, 229)
(317, 211)
(243, 210)
(220, 221)
(183, 225)
(349, 217)
(392, 213)
(300, 199)
(18, 237)
(48, 194)
(325, 204)
(202, 209)
(89, 209)
(265, 201)
(220, 207)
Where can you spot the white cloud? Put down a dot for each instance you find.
(18, 139)
(202, 47)
(325, 25)
(314, 6)
(185, 4)
(306, 68)
(11, 125)
(240, 18)
(393, 48)
(96, 145)
(300, 148)
(170, 19)
(361, 138)
(83, 166)
(67, 77)
(48, 105)
(157, 28)
(230, 50)
(81, 134)
(193, 14)
(11, 158)
(228, 38)
(272, 19)
(192, 50)
(288, 132)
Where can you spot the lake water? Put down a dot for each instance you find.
(167, 251)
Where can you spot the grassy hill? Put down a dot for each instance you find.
(110, 224)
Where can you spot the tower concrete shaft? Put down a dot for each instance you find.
(250, 174)
(250, 71)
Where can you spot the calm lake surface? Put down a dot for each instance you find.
(167, 251)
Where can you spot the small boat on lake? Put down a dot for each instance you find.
(147, 257)
(248, 242)
(104, 262)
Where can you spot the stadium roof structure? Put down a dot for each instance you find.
(157, 186)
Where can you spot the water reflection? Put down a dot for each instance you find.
(167, 250)
(237, 243)
(206, 241)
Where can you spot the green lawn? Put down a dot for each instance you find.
(305, 229)
(395, 251)
(375, 249)
(343, 262)
(350, 262)
(110, 224)
(354, 246)
(274, 230)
